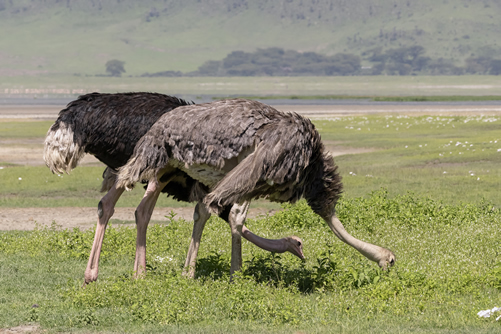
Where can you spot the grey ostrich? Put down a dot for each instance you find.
(240, 150)
(108, 126)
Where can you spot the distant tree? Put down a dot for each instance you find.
(211, 68)
(343, 64)
(478, 65)
(279, 62)
(236, 58)
(115, 67)
(443, 66)
(495, 67)
(376, 54)
(399, 61)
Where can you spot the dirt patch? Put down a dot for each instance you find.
(20, 329)
(50, 112)
(330, 111)
(84, 218)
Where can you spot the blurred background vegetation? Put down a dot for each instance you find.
(250, 38)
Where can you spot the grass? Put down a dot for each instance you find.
(82, 37)
(70, 86)
(445, 233)
(441, 156)
(450, 155)
(446, 272)
(19, 130)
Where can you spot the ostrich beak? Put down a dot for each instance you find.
(295, 246)
(388, 261)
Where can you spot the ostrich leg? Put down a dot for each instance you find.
(105, 210)
(200, 217)
(143, 214)
(236, 219)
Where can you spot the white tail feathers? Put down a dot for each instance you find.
(61, 153)
(135, 171)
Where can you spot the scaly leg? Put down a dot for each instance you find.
(143, 214)
(200, 217)
(237, 217)
(105, 210)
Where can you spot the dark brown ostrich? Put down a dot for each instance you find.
(240, 150)
(108, 126)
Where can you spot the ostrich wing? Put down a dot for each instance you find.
(220, 135)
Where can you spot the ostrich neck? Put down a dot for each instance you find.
(372, 252)
(277, 245)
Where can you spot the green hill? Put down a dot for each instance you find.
(78, 36)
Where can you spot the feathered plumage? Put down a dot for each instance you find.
(109, 126)
(239, 150)
(105, 125)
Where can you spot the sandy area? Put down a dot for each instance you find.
(328, 111)
(21, 329)
(49, 112)
(84, 218)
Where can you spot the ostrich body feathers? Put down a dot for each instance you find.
(238, 150)
(107, 126)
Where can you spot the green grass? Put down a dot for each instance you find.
(445, 234)
(409, 154)
(69, 86)
(446, 157)
(83, 36)
(447, 270)
(28, 129)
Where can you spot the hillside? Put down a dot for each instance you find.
(77, 36)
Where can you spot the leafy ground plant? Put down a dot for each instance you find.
(444, 274)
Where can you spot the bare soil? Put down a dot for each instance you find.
(84, 218)
(20, 329)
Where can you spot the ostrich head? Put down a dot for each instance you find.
(387, 259)
(295, 246)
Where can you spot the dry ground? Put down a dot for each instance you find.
(21, 329)
(29, 152)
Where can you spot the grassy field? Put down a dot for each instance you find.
(64, 37)
(446, 235)
(447, 154)
(447, 270)
(69, 86)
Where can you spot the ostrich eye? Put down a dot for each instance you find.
(299, 243)
(392, 261)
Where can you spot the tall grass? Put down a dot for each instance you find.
(445, 273)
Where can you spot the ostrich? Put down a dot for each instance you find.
(240, 150)
(109, 126)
